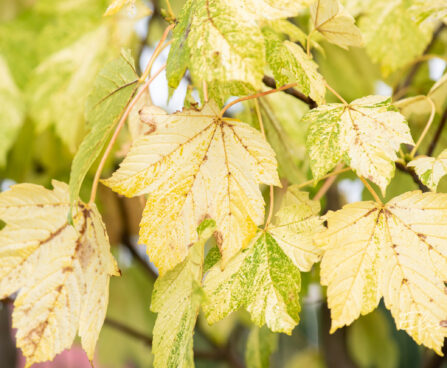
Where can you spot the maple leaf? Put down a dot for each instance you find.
(430, 170)
(265, 277)
(62, 271)
(176, 298)
(261, 344)
(295, 225)
(290, 64)
(366, 134)
(335, 24)
(117, 5)
(221, 43)
(397, 251)
(392, 36)
(196, 165)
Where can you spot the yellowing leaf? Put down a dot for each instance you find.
(430, 170)
(113, 88)
(117, 5)
(295, 224)
(260, 278)
(196, 165)
(397, 251)
(274, 9)
(290, 64)
(366, 134)
(62, 271)
(221, 44)
(335, 24)
(176, 298)
(392, 36)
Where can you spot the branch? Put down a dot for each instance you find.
(270, 82)
(412, 173)
(128, 331)
(415, 68)
(435, 140)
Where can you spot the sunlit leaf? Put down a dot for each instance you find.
(397, 251)
(196, 165)
(430, 170)
(366, 134)
(62, 271)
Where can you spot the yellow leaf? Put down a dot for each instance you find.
(397, 251)
(335, 24)
(430, 170)
(296, 223)
(196, 165)
(117, 5)
(62, 271)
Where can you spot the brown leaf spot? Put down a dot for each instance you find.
(443, 323)
(67, 269)
(219, 239)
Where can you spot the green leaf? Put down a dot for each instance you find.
(290, 64)
(176, 298)
(114, 87)
(370, 343)
(260, 278)
(261, 344)
(392, 36)
(430, 170)
(366, 134)
(59, 85)
(12, 111)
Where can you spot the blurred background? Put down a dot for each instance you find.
(50, 53)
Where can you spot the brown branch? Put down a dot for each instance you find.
(128, 331)
(435, 140)
(270, 82)
(415, 68)
(414, 176)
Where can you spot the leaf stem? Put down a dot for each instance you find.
(308, 42)
(336, 94)
(327, 184)
(170, 11)
(272, 191)
(427, 127)
(333, 173)
(260, 94)
(116, 133)
(371, 190)
(160, 47)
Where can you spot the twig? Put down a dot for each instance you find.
(435, 140)
(270, 82)
(401, 167)
(414, 69)
(126, 242)
(128, 331)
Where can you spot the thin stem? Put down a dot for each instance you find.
(435, 140)
(328, 183)
(117, 131)
(171, 13)
(260, 94)
(160, 47)
(205, 91)
(427, 127)
(308, 42)
(336, 94)
(333, 173)
(371, 190)
(272, 191)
